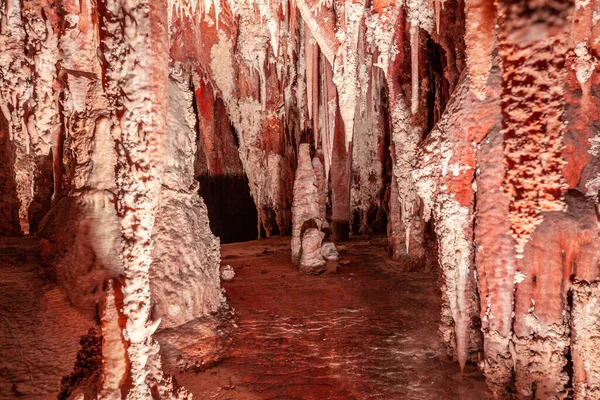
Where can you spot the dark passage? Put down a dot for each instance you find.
(231, 210)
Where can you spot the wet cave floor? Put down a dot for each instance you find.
(364, 330)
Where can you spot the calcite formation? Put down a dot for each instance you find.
(467, 131)
(307, 215)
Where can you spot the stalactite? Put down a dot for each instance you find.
(414, 66)
(419, 15)
(480, 37)
(300, 78)
(315, 98)
(320, 23)
(43, 122)
(443, 180)
(341, 173)
(405, 134)
(329, 104)
(438, 4)
(447, 183)
(15, 91)
(380, 34)
(254, 114)
(308, 56)
(345, 69)
(367, 154)
(140, 134)
(405, 138)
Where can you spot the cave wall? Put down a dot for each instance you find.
(524, 171)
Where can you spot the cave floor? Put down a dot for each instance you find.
(365, 331)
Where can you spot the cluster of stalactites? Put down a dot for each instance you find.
(334, 31)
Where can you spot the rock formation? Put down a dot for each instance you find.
(467, 131)
(308, 216)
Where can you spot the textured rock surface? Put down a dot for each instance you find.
(81, 234)
(585, 326)
(444, 178)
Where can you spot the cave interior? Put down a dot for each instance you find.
(299, 199)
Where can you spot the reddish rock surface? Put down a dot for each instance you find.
(466, 129)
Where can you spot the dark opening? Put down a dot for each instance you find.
(231, 209)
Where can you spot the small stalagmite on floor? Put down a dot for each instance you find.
(310, 247)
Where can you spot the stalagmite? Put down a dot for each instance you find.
(114, 353)
(306, 215)
(311, 259)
